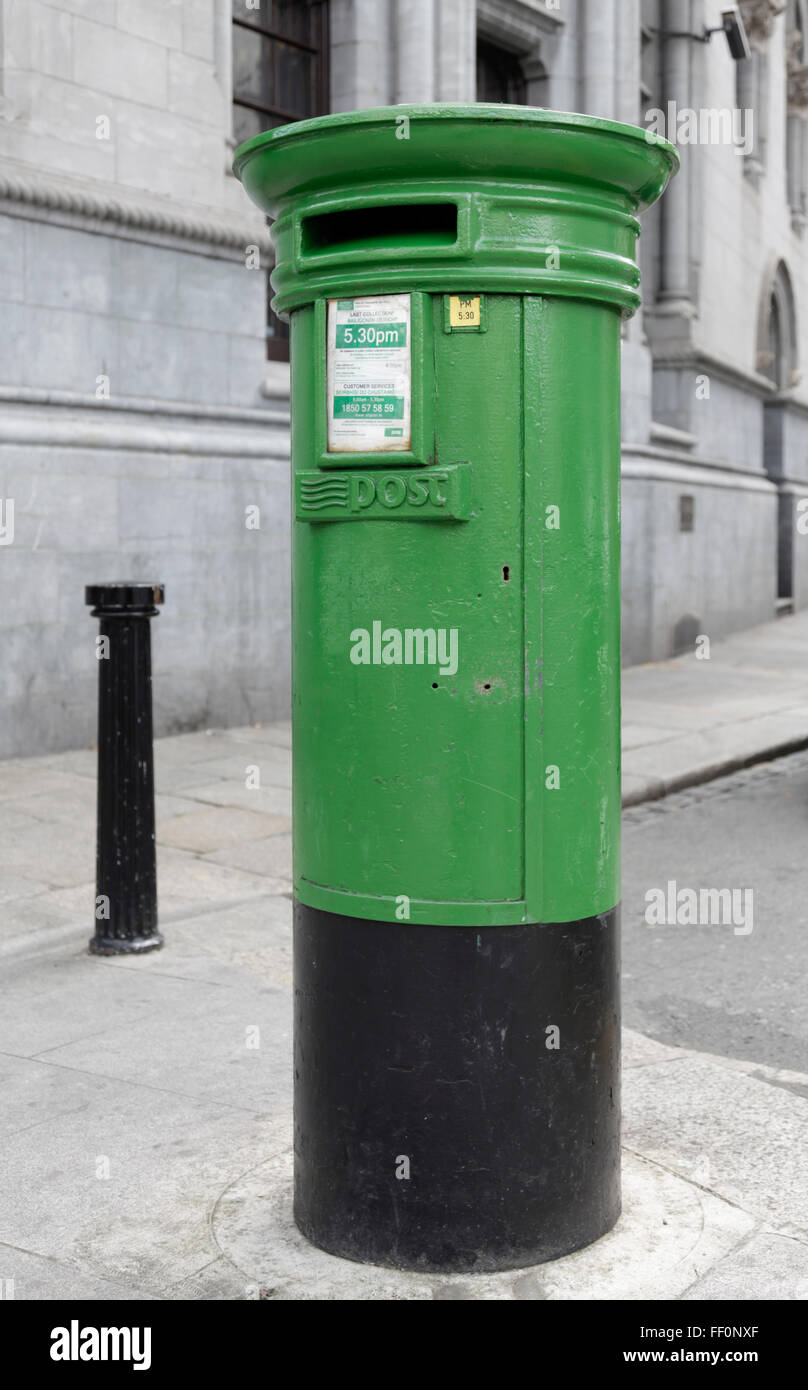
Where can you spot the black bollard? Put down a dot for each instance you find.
(126, 872)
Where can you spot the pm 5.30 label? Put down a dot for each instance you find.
(369, 374)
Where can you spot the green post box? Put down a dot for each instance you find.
(455, 279)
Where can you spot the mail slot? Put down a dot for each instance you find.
(391, 225)
(455, 279)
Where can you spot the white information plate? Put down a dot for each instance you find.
(369, 374)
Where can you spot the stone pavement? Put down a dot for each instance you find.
(146, 1147)
(688, 719)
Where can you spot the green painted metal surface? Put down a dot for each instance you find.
(456, 686)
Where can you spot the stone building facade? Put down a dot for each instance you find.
(144, 425)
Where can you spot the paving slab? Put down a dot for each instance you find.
(56, 854)
(16, 887)
(668, 1236)
(274, 765)
(24, 777)
(640, 735)
(51, 1003)
(738, 1137)
(39, 1277)
(205, 830)
(278, 734)
(65, 801)
(83, 762)
(218, 1050)
(707, 753)
(255, 935)
(119, 1180)
(768, 1266)
(747, 702)
(271, 856)
(187, 882)
(268, 801)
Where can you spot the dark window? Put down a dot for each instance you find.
(499, 75)
(776, 371)
(279, 63)
(280, 57)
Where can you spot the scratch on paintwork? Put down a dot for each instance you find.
(497, 790)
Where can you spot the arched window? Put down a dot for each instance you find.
(777, 329)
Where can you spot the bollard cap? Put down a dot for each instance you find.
(124, 594)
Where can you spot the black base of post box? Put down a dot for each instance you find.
(457, 1102)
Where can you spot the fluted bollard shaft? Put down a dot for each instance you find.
(126, 871)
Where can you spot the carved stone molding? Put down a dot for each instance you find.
(796, 74)
(95, 207)
(758, 17)
(521, 23)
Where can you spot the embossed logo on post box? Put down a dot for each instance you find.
(429, 494)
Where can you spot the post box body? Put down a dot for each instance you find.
(455, 279)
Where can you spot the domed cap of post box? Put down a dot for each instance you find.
(472, 198)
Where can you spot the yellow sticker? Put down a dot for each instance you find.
(464, 311)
